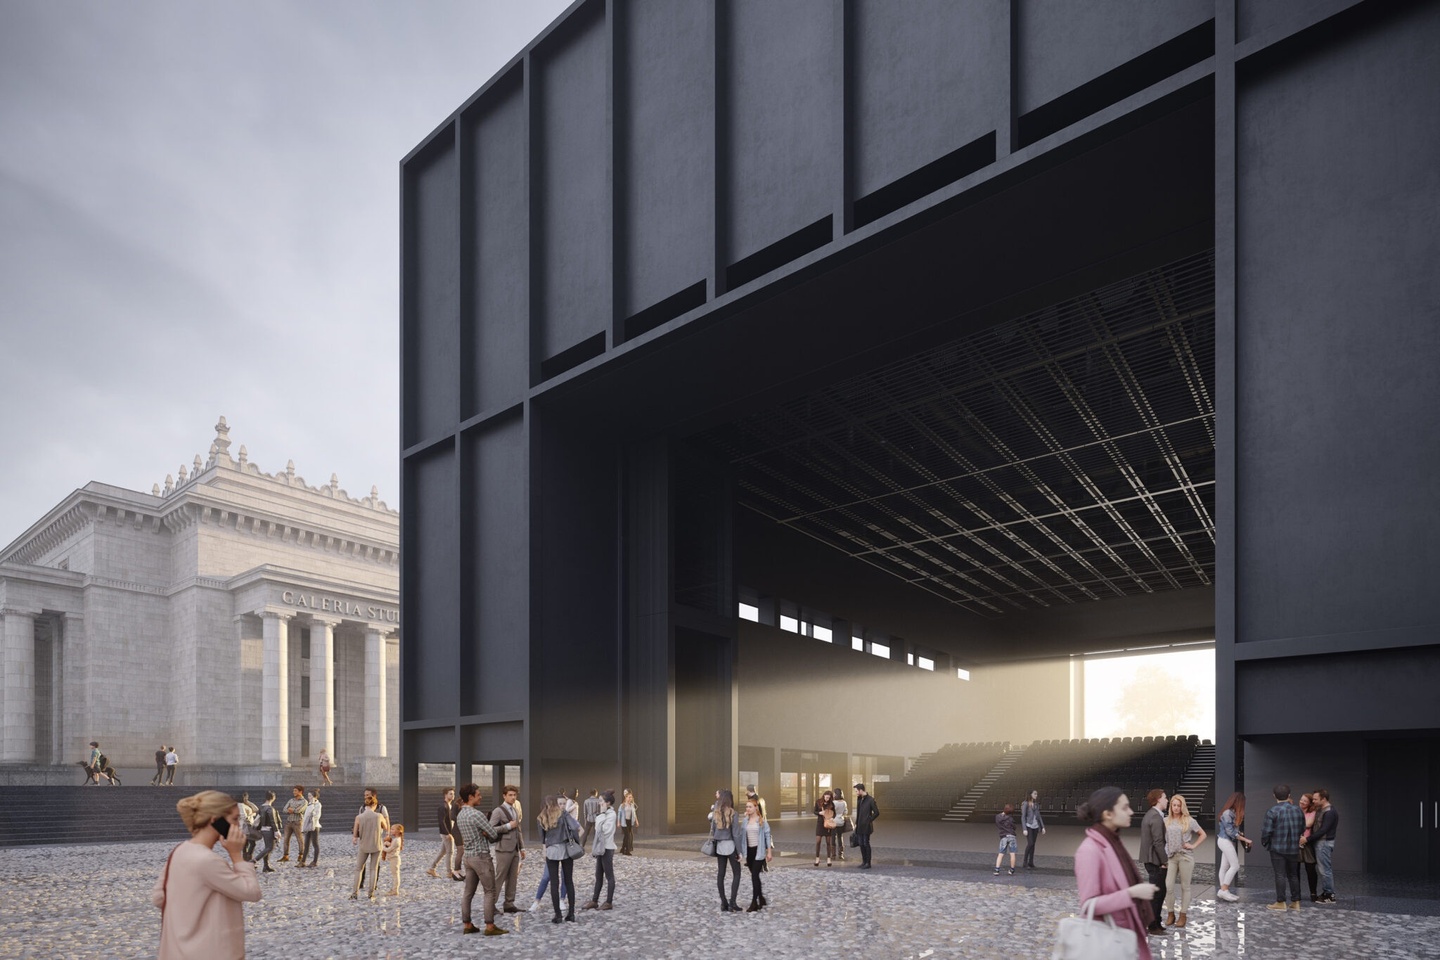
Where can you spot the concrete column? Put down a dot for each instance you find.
(19, 664)
(275, 690)
(322, 686)
(375, 745)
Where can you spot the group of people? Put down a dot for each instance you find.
(299, 820)
(1032, 825)
(1106, 873)
(166, 760)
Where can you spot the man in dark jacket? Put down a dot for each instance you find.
(159, 777)
(1322, 839)
(445, 820)
(1152, 852)
(866, 813)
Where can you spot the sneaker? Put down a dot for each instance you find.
(469, 928)
(494, 931)
(1277, 905)
(534, 904)
(1328, 898)
(997, 871)
(1295, 905)
(1226, 895)
(607, 906)
(1012, 871)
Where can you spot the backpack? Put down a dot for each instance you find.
(104, 763)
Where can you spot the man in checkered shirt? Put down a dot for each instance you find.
(478, 834)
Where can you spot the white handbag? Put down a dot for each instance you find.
(1085, 938)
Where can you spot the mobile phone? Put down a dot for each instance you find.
(222, 827)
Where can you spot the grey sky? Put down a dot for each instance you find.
(198, 216)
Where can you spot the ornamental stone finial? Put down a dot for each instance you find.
(334, 482)
(183, 474)
(198, 463)
(244, 455)
(169, 484)
(374, 492)
(155, 490)
(290, 469)
(222, 437)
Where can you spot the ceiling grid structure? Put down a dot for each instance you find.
(1062, 457)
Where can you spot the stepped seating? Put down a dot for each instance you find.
(1066, 772)
(933, 785)
(49, 814)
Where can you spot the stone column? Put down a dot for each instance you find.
(322, 686)
(275, 690)
(19, 664)
(375, 704)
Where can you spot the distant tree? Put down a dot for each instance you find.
(1158, 701)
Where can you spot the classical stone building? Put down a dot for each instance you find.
(248, 618)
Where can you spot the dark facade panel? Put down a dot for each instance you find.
(665, 123)
(1337, 298)
(431, 326)
(495, 514)
(780, 121)
(1062, 44)
(496, 249)
(926, 78)
(431, 592)
(1391, 690)
(572, 214)
(1259, 18)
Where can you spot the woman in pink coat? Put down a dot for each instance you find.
(200, 894)
(1105, 871)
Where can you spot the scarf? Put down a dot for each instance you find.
(1132, 874)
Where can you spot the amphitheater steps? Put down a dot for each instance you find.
(965, 806)
(1199, 780)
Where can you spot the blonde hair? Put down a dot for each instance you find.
(549, 813)
(756, 804)
(1184, 820)
(199, 811)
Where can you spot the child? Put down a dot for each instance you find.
(390, 851)
(1005, 823)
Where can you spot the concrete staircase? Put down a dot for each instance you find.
(1198, 784)
(965, 806)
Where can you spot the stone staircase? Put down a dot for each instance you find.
(965, 806)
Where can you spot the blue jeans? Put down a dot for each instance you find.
(1324, 854)
(545, 885)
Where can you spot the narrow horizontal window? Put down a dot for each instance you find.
(749, 612)
(789, 623)
(925, 663)
(823, 633)
(880, 650)
(962, 674)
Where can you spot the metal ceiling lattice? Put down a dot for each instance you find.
(1067, 455)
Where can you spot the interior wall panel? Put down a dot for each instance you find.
(780, 129)
(432, 293)
(495, 512)
(572, 214)
(1337, 298)
(928, 77)
(497, 231)
(665, 117)
(432, 587)
(1063, 44)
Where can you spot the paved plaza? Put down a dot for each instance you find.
(94, 901)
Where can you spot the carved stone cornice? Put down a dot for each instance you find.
(54, 534)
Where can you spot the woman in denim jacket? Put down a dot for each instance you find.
(758, 850)
(727, 826)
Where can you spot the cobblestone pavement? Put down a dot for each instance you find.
(93, 901)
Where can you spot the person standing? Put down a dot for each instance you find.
(1033, 824)
(269, 827)
(629, 819)
(1281, 836)
(759, 847)
(445, 823)
(1227, 835)
(310, 831)
(457, 867)
(1182, 835)
(1307, 849)
(1152, 853)
(294, 824)
(866, 813)
(172, 760)
(1005, 823)
(367, 838)
(391, 851)
(478, 835)
(603, 850)
(824, 827)
(842, 820)
(557, 829)
(591, 809)
(509, 851)
(199, 894)
(249, 826)
(325, 767)
(727, 833)
(159, 777)
(1322, 836)
(1105, 872)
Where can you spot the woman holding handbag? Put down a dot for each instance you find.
(758, 850)
(1105, 872)
(842, 822)
(560, 835)
(825, 827)
(200, 894)
(727, 837)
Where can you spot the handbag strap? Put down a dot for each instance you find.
(165, 885)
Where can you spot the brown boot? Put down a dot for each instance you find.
(1170, 919)
(1181, 921)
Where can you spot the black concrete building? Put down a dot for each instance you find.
(983, 331)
